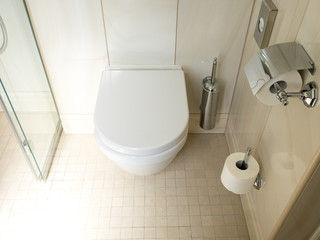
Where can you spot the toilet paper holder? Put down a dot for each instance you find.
(243, 164)
(258, 182)
(308, 94)
(285, 57)
(280, 59)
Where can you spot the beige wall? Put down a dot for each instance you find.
(303, 219)
(284, 139)
(80, 38)
(21, 58)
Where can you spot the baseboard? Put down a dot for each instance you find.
(249, 212)
(194, 120)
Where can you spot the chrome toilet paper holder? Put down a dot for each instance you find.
(280, 59)
(308, 94)
(239, 172)
(243, 165)
(285, 57)
(258, 182)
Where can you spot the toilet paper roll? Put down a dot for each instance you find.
(255, 74)
(236, 180)
(292, 81)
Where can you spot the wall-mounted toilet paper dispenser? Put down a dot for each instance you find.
(273, 74)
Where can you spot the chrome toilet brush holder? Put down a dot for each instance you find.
(210, 99)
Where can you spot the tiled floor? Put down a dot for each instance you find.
(87, 197)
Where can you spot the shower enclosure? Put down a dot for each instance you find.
(25, 94)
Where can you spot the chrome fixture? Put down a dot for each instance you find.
(243, 164)
(285, 57)
(277, 60)
(308, 94)
(4, 36)
(266, 19)
(213, 72)
(210, 99)
(258, 182)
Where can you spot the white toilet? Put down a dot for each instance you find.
(141, 117)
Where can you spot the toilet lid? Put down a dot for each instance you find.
(141, 112)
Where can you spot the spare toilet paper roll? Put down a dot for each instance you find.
(293, 83)
(236, 180)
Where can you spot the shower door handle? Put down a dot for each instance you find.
(5, 36)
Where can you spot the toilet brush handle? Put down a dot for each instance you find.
(214, 68)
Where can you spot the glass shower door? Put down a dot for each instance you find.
(25, 93)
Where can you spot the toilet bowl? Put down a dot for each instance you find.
(141, 117)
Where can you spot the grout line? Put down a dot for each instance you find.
(175, 44)
(105, 32)
(241, 59)
(102, 212)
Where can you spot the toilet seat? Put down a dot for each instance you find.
(152, 123)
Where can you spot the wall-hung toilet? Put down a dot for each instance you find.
(141, 117)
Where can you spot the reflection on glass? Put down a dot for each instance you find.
(25, 90)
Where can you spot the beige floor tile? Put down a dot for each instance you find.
(90, 194)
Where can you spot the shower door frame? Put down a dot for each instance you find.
(36, 176)
(38, 173)
(59, 128)
(42, 173)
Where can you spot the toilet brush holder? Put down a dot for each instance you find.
(210, 100)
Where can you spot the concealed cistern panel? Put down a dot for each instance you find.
(265, 22)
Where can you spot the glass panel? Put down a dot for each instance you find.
(15, 124)
(25, 90)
